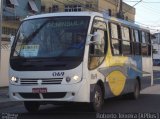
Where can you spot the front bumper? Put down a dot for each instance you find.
(70, 93)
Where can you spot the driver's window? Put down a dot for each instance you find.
(97, 49)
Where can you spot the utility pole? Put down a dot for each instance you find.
(120, 9)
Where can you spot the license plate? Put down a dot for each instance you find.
(39, 90)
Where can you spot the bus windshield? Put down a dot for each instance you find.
(51, 37)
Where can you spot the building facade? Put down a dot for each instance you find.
(14, 11)
(109, 6)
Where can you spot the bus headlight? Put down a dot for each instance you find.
(74, 79)
(14, 80)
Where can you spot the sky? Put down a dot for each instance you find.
(147, 13)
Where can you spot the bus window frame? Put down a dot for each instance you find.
(119, 38)
(129, 40)
(100, 19)
(147, 43)
(135, 41)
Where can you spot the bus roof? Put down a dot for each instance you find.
(65, 14)
(89, 13)
(128, 23)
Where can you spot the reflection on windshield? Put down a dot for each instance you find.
(51, 37)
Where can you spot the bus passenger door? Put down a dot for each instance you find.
(97, 48)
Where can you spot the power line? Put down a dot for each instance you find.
(149, 10)
(137, 3)
(156, 10)
(133, 6)
(142, 1)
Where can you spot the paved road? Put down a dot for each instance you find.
(149, 101)
(146, 103)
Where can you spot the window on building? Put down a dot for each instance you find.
(89, 5)
(115, 41)
(109, 12)
(50, 9)
(126, 18)
(32, 6)
(12, 3)
(126, 44)
(9, 18)
(8, 31)
(55, 8)
(73, 8)
(43, 8)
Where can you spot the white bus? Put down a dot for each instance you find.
(78, 57)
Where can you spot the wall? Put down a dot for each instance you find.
(4, 64)
(105, 5)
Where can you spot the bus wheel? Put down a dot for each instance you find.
(98, 99)
(32, 107)
(136, 93)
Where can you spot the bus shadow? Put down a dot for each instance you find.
(121, 104)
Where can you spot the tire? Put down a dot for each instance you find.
(32, 107)
(98, 99)
(136, 93)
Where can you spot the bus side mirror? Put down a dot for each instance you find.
(11, 39)
(96, 38)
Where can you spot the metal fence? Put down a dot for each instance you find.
(5, 46)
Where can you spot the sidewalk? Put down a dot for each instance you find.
(4, 99)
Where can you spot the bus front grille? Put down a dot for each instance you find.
(30, 95)
(41, 81)
(54, 95)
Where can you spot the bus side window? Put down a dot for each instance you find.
(126, 42)
(144, 49)
(132, 41)
(148, 36)
(115, 40)
(137, 44)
